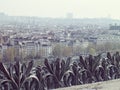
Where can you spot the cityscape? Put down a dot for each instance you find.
(32, 37)
(59, 45)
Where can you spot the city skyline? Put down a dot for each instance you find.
(60, 8)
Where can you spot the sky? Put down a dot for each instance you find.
(60, 8)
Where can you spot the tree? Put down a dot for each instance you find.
(9, 54)
(57, 50)
(92, 51)
(67, 51)
(107, 46)
(1, 57)
(78, 50)
(60, 50)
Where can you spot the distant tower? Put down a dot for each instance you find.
(70, 15)
(114, 27)
(109, 16)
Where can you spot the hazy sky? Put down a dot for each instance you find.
(59, 8)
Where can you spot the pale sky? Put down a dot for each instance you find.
(59, 8)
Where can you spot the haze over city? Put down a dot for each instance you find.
(59, 8)
(53, 44)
